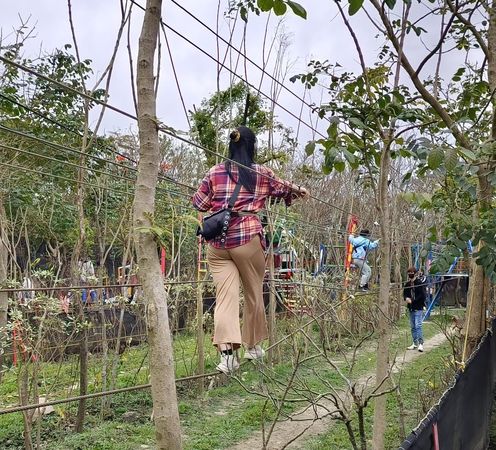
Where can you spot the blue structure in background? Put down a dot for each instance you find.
(321, 265)
(416, 255)
(434, 300)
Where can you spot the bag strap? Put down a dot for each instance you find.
(234, 195)
(356, 247)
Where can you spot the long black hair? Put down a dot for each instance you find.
(242, 150)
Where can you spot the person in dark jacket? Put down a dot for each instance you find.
(415, 296)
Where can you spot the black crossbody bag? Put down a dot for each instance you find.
(217, 223)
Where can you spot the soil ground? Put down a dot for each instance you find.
(299, 427)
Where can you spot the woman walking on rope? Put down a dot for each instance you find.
(239, 254)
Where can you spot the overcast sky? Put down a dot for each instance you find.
(322, 36)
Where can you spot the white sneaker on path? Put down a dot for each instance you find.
(254, 353)
(228, 364)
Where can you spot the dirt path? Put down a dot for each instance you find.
(287, 430)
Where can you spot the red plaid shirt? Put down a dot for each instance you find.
(216, 189)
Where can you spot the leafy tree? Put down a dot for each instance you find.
(458, 128)
(279, 7)
(466, 112)
(224, 111)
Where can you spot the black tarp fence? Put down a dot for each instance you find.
(460, 420)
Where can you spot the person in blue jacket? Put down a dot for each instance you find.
(361, 247)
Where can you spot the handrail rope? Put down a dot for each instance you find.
(280, 83)
(180, 194)
(70, 149)
(280, 281)
(97, 186)
(107, 148)
(221, 64)
(68, 163)
(78, 133)
(161, 127)
(13, 166)
(90, 170)
(94, 157)
(341, 231)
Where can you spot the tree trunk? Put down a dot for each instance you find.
(165, 411)
(271, 357)
(479, 288)
(75, 276)
(491, 61)
(83, 372)
(479, 282)
(4, 299)
(383, 327)
(24, 398)
(397, 280)
(105, 347)
(116, 357)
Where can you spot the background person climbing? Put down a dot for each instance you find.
(361, 247)
(414, 295)
(241, 256)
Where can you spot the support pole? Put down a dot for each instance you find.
(200, 335)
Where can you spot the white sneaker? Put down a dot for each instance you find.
(412, 347)
(420, 348)
(228, 364)
(256, 352)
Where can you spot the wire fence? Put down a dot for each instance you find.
(299, 329)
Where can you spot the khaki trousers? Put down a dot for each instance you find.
(227, 267)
